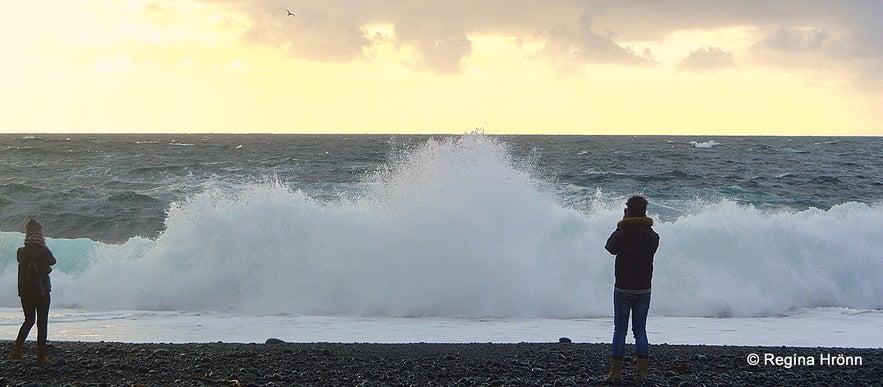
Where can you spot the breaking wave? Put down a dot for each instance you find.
(457, 228)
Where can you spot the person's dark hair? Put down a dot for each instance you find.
(636, 206)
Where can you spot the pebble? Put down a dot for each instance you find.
(328, 364)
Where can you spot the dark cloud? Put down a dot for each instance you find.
(707, 59)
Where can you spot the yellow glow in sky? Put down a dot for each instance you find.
(209, 66)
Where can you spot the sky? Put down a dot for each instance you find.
(713, 67)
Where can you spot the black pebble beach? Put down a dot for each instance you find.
(277, 363)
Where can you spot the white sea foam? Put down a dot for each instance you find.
(706, 144)
(454, 228)
(826, 327)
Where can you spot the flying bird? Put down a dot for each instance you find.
(289, 13)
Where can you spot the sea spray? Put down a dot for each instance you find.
(727, 260)
(456, 228)
(452, 228)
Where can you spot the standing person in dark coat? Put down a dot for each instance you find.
(634, 243)
(34, 303)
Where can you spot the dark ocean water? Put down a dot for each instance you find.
(112, 187)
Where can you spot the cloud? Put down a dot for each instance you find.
(798, 48)
(795, 40)
(865, 29)
(438, 33)
(707, 59)
(334, 31)
(574, 32)
(437, 48)
(326, 34)
(580, 43)
(833, 37)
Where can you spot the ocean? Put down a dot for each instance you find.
(158, 234)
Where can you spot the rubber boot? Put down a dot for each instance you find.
(41, 354)
(643, 367)
(615, 374)
(16, 349)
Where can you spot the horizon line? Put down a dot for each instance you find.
(441, 134)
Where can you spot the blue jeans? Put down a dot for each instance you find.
(639, 306)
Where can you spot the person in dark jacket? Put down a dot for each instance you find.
(634, 243)
(34, 304)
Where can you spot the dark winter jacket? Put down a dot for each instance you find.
(44, 259)
(634, 243)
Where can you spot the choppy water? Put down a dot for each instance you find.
(447, 226)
